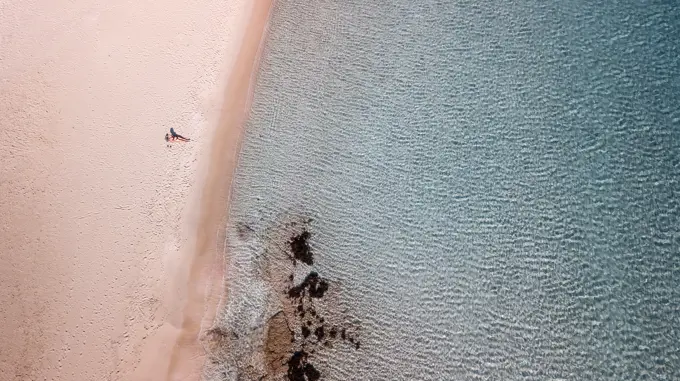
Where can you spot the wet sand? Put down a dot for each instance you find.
(102, 274)
(205, 267)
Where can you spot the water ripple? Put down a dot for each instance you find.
(494, 188)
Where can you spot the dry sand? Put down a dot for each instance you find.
(102, 274)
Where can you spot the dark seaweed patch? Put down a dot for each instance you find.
(299, 245)
(317, 287)
(300, 370)
(319, 332)
(308, 319)
(313, 284)
(311, 373)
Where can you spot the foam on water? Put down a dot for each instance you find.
(494, 188)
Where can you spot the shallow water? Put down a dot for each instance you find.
(494, 188)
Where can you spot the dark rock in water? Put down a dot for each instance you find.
(317, 290)
(296, 292)
(313, 283)
(317, 285)
(307, 319)
(319, 332)
(300, 248)
(300, 370)
(296, 365)
(311, 373)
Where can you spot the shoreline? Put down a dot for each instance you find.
(205, 286)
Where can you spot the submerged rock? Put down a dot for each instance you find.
(299, 245)
(313, 283)
(319, 332)
(300, 370)
(309, 330)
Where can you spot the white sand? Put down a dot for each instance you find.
(97, 216)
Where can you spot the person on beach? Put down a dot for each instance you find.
(175, 136)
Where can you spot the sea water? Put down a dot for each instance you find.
(494, 186)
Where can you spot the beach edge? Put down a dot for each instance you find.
(206, 266)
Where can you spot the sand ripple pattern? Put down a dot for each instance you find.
(495, 188)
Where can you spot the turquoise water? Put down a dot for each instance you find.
(494, 187)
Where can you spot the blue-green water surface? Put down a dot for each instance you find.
(495, 187)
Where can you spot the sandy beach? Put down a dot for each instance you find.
(108, 264)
